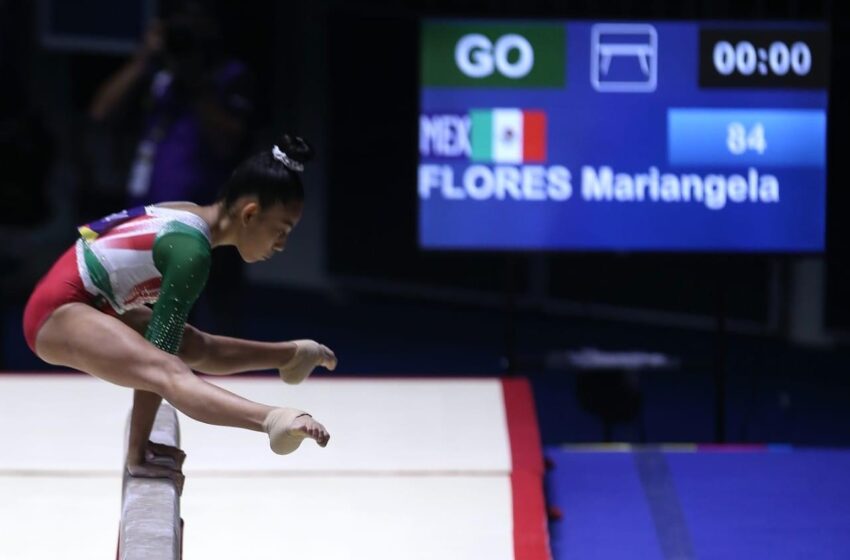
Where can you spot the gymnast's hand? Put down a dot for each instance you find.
(160, 461)
(308, 355)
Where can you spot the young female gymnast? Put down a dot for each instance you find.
(89, 312)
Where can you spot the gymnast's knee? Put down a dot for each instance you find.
(169, 376)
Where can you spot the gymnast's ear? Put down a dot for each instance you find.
(249, 212)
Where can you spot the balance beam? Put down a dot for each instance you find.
(151, 528)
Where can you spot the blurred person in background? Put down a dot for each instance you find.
(196, 105)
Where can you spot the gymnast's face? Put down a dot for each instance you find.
(262, 232)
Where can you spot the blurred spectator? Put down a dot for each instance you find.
(196, 110)
(196, 105)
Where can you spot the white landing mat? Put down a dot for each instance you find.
(415, 469)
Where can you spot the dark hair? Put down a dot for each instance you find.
(269, 178)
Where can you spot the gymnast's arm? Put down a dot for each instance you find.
(182, 255)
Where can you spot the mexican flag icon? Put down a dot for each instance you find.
(508, 135)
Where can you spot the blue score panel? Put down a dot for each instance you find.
(644, 136)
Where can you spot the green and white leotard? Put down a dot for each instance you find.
(147, 255)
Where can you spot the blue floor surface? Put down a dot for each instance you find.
(654, 504)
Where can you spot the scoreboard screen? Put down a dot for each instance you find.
(626, 136)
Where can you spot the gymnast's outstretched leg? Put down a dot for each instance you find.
(223, 355)
(220, 355)
(81, 337)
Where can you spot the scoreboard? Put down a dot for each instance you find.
(626, 136)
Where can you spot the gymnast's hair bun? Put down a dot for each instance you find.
(296, 148)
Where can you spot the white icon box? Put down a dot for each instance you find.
(623, 57)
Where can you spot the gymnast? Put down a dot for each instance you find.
(91, 310)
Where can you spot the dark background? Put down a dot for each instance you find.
(768, 333)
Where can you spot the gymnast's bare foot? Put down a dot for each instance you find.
(305, 426)
(309, 354)
(288, 427)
